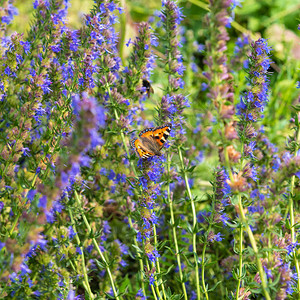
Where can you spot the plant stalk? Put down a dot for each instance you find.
(97, 246)
(194, 225)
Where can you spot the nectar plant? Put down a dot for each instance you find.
(152, 167)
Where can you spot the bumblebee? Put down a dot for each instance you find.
(148, 87)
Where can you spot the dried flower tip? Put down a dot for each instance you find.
(230, 131)
(238, 183)
(227, 111)
(233, 155)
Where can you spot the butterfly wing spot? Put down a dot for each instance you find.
(132, 143)
(162, 133)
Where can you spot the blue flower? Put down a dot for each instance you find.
(31, 195)
(151, 279)
(218, 237)
(25, 269)
(111, 175)
(211, 237)
(72, 233)
(141, 295)
(276, 163)
(26, 46)
(268, 272)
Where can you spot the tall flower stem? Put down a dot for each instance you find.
(174, 229)
(255, 249)
(240, 259)
(86, 280)
(203, 270)
(203, 265)
(139, 258)
(157, 260)
(250, 234)
(194, 224)
(97, 246)
(292, 218)
(152, 287)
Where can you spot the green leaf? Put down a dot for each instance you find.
(162, 244)
(168, 271)
(296, 107)
(124, 285)
(214, 287)
(170, 250)
(274, 283)
(109, 296)
(191, 169)
(99, 264)
(187, 261)
(234, 199)
(287, 224)
(137, 248)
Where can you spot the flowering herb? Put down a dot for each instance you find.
(214, 215)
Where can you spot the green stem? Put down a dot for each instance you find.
(240, 261)
(203, 269)
(194, 224)
(250, 233)
(139, 258)
(254, 246)
(96, 246)
(157, 260)
(86, 279)
(152, 287)
(292, 217)
(156, 287)
(174, 229)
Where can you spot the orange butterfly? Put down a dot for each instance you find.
(151, 140)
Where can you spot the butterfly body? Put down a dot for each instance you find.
(151, 141)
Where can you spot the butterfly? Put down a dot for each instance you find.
(148, 88)
(151, 140)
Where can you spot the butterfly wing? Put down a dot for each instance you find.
(137, 145)
(147, 133)
(162, 133)
(151, 140)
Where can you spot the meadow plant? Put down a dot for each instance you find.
(84, 216)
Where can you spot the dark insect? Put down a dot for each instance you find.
(148, 87)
